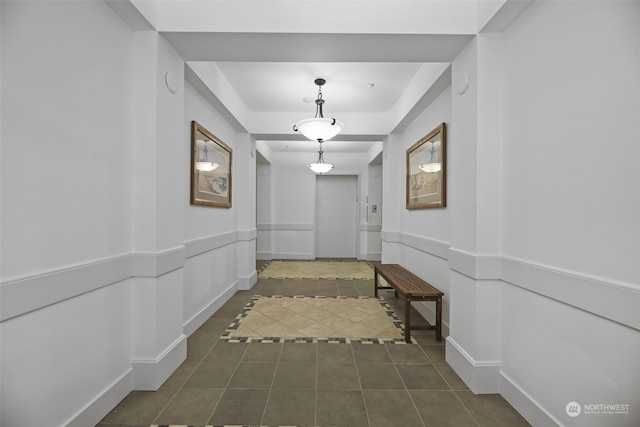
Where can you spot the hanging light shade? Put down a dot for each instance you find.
(433, 165)
(206, 166)
(318, 128)
(203, 164)
(320, 166)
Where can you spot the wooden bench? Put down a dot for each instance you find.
(411, 288)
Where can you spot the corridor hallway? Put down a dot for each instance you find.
(311, 384)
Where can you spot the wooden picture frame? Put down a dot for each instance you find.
(427, 171)
(211, 162)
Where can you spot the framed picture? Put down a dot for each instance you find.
(210, 169)
(427, 171)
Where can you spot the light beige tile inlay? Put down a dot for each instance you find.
(317, 270)
(317, 317)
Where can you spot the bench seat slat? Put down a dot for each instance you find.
(406, 282)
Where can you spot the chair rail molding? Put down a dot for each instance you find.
(427, 245)
(29, 293)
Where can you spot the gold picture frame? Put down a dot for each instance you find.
(427, 171)
(211, 161)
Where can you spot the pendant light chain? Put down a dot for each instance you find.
(319, 103)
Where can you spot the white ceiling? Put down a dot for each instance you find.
(307, 146)
(258, 59)
(266, 87)
(353, 92)
(281, 86)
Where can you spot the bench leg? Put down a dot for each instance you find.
(375, 284)
(439, 319)
(407, 321)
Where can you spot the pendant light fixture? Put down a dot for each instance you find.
(320, 166)
(204, 164)
(433, 165)
(318, 128)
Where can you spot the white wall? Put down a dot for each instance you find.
(370, 230)
(263, 190)
(159, 344)
(542, 268)
(418, 239)
(245, 157)
(286, 213)
(585, 118)
(76, 135)
(292, 207)
(473, 346)
(220, 242)
(105, 267)
(202, 221)
(571, 234)
(66, 210)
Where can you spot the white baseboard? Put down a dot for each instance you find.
(150, 374)
(293, 256)
(482, 377)
(102, 404)
(371, 256)
(246, 282)
(525, 404)
(200, 317)
(263, 255)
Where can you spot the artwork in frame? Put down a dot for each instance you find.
(427, 171)
(211, 161)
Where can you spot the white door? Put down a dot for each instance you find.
(336, 216)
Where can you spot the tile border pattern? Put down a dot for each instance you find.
(226, 336)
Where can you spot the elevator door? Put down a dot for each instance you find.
(336, 216)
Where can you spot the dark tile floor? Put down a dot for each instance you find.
(300, 384)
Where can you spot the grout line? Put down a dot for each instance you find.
(406, 389)
(273, 380)
(315, 406)
(226, 387)
(416, 408)
(465, 407)
(155, 420)
(182, 386)
(426, 355)
(194, 370)
(364, 401)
